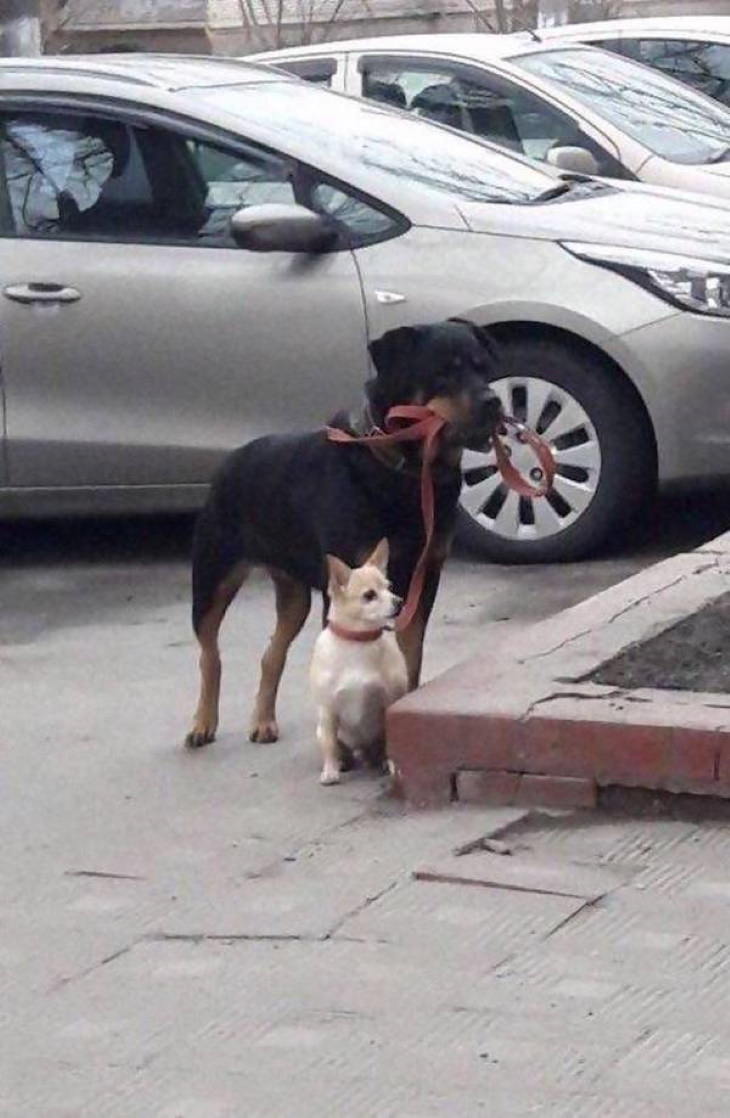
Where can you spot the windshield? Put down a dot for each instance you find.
(323, 127)
(669, 119)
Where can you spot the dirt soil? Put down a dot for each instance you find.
(693, 655)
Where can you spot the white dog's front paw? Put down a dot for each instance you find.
(329, 775)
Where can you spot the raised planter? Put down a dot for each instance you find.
(525, 724)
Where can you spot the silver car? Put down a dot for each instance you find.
(156, 310)
(575, 107)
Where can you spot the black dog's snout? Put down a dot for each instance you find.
(490, 411)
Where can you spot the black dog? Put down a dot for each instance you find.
(284, 502)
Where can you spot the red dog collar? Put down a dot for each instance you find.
(355, 634)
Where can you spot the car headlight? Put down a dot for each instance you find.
(686, 281)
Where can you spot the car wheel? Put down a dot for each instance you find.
(604, 455)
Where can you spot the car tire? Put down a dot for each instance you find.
(611, 442)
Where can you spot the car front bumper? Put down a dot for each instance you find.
(681, 367)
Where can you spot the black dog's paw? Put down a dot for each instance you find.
(264, 732)
(375, 758)
(348, 760)
(198, 737)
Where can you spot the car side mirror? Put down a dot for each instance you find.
(570, 158)
(282, 227)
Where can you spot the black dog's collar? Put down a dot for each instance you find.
(363, 424)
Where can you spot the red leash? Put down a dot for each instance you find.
(423, 426)
(415, 423)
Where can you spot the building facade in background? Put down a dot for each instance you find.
(240, 26)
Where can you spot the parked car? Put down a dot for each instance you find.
(693, 49)
(578, 108)
(144, 330)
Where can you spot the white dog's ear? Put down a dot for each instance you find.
(379, 557)
(339, 572)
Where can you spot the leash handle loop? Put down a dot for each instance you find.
(510, 475)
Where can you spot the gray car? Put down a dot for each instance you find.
(144, 329)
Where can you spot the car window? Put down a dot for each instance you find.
(672, 122)
(704, 66)
(346, 132)
(234, 180)
(318, 71)
(95, 178)
(487, 106)
(250, 177)
(363, 222)
(56, 168)
(615, 45)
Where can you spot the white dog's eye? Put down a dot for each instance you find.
(369, 595)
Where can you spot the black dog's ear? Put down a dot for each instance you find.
(394, 348)
(395, 356)
(485, 339)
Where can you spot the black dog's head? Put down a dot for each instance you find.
(447, 366)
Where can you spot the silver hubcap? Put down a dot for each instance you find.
(559, 418)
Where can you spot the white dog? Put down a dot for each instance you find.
(357, 668)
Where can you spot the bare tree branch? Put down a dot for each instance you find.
(481, 16)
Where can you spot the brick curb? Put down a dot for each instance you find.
(521, 724)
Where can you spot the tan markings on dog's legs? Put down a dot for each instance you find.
(327, 738)
(293, 600)
(205, 722)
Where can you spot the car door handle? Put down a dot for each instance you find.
(41, 293)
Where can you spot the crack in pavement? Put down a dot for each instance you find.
(566, 695)
(60, 983)
(620, 613)
(453, 879)
(225, 938)
(231, 937)
(360, 908)
(104, 874)
(590, 902)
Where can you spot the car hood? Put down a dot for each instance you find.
(718, 170)
(639, 216)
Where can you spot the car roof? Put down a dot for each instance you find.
(697, 24)
(156, 71)
(467, 43)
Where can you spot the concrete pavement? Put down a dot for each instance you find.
(214, 934)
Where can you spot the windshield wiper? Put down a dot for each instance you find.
(556, 191)
(569, 180)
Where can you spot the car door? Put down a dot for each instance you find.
(136, 340)
(484, 103)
